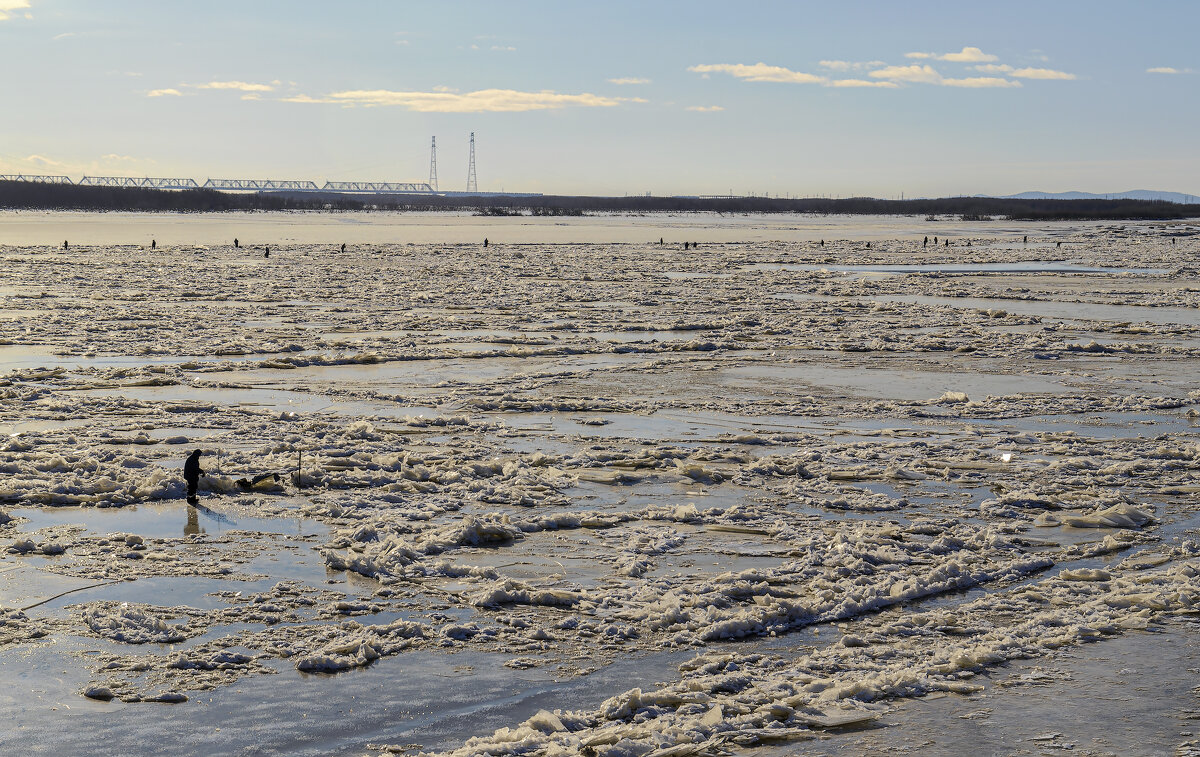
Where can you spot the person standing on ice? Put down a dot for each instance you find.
(192, 474)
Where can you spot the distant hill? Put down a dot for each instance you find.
(1133, 194)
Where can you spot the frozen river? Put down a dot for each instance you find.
(583, 493)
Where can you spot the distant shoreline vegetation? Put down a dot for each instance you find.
(32, 196)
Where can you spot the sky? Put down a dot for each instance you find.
(882, 99)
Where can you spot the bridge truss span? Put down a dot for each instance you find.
(378, 187)
(261, 185)
(29, 178)
(143, 182)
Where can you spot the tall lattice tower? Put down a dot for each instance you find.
(433, 164)
(472, 182)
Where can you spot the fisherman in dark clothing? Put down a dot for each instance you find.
(192, 474)
(236, 243)
(343, 246)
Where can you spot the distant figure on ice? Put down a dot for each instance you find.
(192, 474)
(947, 241)
(935, 241)
(868, 245)
(1025, 239)
(236, 243)
(1058, 244)
(822, 242)
(925, 243)
(660, 241)
(485, 242)
(64, 244)
(343, 246)
(153, 243)
(267, 253)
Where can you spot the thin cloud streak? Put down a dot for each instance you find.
(629, 80)
(863, 83)
(169, 92)
(1041, 73)
(240, 86)
(966, 55)
(481, 101)
(759, 72)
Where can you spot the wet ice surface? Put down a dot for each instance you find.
(607, 499)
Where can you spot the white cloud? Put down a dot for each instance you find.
(1041, 73)
(1169, 70)
(504, 48)
(966, 55)
(8, 6)
(994, 68)
(64, 35)
(307, 99)
(862, 83)
(977, 82)
(705, 108)
(913, 74)
(43, 162)
(759, 72)
(846, 65)
(484, 100)
(925, 74)
(164, 93)
(240, 86)
(112, 156)
(629, 80)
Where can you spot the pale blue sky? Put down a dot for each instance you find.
(611, 97)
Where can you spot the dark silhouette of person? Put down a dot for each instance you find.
(660, 241)
(925, 243)
(236, 243)
(868, 245)
(1025, 239)
(64, 244)
(822, 242)
(267, 253)
(153, 243)
(343, 246)
(1058, 244)
(485, 242)
(935, 241)
(947, 241)
(192, 474)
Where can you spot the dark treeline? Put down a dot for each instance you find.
(971, 207)
(21, 195)
(34, 196)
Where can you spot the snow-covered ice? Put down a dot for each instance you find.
(785, 487)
